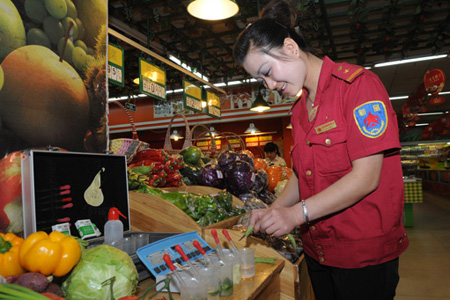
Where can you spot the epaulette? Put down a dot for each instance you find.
(347, 71)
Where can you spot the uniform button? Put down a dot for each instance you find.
(307, 143)
(404, 234)
(313, 228)
(320, 253)
(328, 141)
(401, 241)
(308, 173)
(321, 259)
(319, 247)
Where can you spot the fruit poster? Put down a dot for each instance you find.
(53, 84)
(53, 75)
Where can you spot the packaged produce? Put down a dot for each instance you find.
(276, 174)
(260, 163)
(155, 168)
(204, 209)
(261, 181)
(227, 157)
(88, 280)
(240, 177)
(211, 175)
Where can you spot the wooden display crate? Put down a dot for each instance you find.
(150, 213)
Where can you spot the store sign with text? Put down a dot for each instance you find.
(115, 65)
(235, 143)
(255, 141)
(213, 108)
(206, 145)
(152, 80)
(192, 96)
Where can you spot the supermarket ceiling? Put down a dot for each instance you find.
(363, 32)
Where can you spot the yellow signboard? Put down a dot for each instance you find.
(152, 80)
(192, 98)
(265, 138)
(252, 139)
(213, 107)
(115, 65)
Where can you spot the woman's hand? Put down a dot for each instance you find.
(276, 220)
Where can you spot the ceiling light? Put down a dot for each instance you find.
(259, 104)
(252, 129)
(175, 135)
(411, 60)
(431, 114)
(398, 98)
(212, 130)
(419, 124)
(213, 10)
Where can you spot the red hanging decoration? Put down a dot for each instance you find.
(437, 100)
(434, 81)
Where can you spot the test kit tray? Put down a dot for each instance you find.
(152, 254)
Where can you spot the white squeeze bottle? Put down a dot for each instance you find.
(113, 227)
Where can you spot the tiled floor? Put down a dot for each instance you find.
(425, 265)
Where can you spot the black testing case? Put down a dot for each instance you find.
(44, 172)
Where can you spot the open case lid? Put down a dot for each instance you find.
(54, 185)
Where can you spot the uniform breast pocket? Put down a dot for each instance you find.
(330, 153)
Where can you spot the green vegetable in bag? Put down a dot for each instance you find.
(97, 265)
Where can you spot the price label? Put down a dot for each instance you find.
(115, 65)
(153, 89)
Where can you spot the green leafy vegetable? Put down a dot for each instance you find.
(97, 265)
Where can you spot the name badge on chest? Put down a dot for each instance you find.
(325, 127)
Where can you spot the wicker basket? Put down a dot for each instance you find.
(226, 135)
(126, 146)
(213, 148)
(187, 140)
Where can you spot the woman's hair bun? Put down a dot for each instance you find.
(280, 10)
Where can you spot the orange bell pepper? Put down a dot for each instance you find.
(54, 253)
(9, 255)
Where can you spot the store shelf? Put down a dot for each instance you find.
(420, 156)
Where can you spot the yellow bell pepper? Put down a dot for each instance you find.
(54, 253)
(9, 255)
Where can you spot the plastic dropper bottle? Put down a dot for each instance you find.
(113, 227)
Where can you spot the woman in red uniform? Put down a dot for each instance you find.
(347, 190)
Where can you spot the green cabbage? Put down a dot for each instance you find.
(96, 266)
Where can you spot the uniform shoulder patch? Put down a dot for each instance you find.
(347, 71)
(371, 118)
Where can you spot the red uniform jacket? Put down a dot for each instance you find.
(354, 119)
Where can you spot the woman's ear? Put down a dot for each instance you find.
(290, 47)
